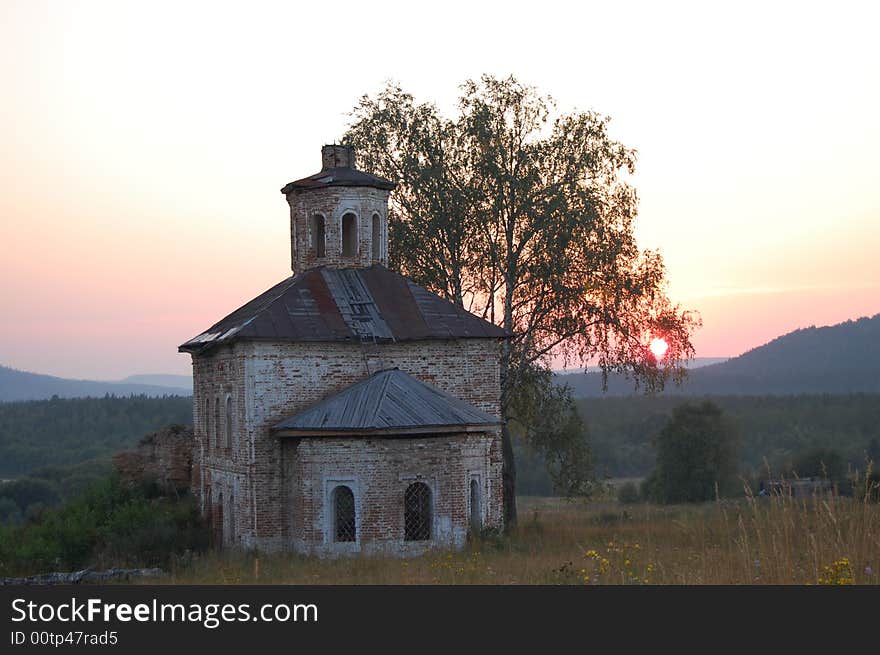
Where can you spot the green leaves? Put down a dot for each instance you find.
(695, 456)
(523, 216)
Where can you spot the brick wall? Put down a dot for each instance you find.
(333, 203)
(268, 382)
(164, 456)
(221, 465)
(378, 471)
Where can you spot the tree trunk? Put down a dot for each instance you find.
(508, 478)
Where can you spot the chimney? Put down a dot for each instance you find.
(335, 156)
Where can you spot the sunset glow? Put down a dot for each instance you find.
(145, 145)
(658, 347)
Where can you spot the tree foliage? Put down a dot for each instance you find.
(63, 431)
(523, 216)
(695, 456)
(546, 414)
(824, 463)
(774, 430)
(110, 524)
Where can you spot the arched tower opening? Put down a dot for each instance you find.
(338, 216)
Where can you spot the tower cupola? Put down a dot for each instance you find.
(338, 216)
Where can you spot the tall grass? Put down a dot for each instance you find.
(823, 539)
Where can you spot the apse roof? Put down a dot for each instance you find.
(389, 402)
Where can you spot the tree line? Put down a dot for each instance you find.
(66, 431)
(772, 431)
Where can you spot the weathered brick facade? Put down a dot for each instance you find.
(164, 457)
(274, 493)
(331, 204)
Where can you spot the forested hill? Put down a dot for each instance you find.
(63, 432)
(21, 385)
(843, 358)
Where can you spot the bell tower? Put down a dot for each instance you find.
(338, 216)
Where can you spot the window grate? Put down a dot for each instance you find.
(344, 514)
(417, 512)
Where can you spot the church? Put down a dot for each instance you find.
(347, 409)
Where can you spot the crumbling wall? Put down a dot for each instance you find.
(164, 456)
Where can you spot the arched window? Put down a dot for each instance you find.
(344, 524)
(319, 236)
(229, 528)
(349, 235)
(229, 421)
(218, 524)
(377, 236)
(417, 512)
(476, 510)
(217, 423)
(207, 421)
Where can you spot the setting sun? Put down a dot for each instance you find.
(658, 347)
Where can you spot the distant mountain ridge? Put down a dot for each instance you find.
(696, 362)
(18, 385)
(161, 380)
(842, 358)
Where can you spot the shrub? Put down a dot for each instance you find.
(628, 493)
(28, 491)
(111, 524)
(824, 463)
(695, 458)
(9, 511)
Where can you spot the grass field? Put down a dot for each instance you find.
(821, 540)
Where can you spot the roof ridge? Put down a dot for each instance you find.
(383, 392)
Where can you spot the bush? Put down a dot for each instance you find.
(9, 511)
(28, 491)
(628, 493)
(695, 457)
(112, 524)
(824, 463)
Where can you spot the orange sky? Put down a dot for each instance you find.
(144, 146)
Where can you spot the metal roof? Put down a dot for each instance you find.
(338, 176)
(348, 304)
(389, 402)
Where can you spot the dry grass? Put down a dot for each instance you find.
(821, 540)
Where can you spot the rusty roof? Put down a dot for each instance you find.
(389, 402)
(348, 304)
(338, 176)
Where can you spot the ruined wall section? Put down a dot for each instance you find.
(164, 457)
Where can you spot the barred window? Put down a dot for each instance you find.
(344, 525)
(417, 512)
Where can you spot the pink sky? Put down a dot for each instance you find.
(144, 147)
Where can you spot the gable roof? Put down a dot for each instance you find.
(389, 402)
(349, 305)
(338, 176)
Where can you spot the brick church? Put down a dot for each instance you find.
(346, 409)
